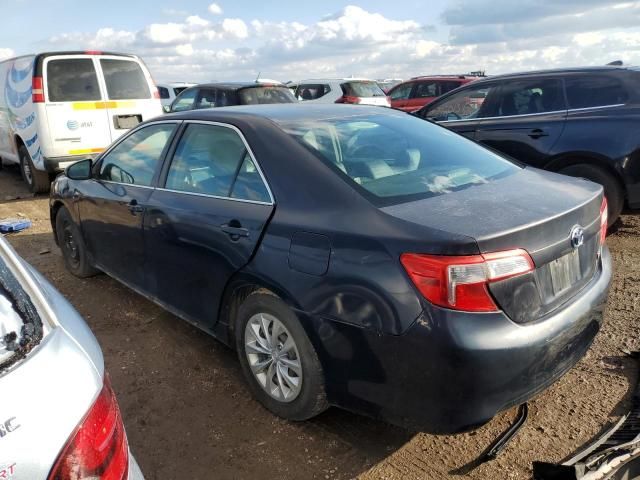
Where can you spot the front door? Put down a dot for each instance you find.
(113, 203)
(462, 110)
(529, 120)
(206, 222)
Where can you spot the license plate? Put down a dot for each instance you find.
(565, 271)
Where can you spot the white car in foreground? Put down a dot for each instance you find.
(59, 417)
(359, 91)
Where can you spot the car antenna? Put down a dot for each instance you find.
(258, 77)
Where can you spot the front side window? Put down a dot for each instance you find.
(595, 91)
(470, 103)
(125, 80)
(163, 92)
(311, 92)
(426, 90)
(265, 95)
(401, 92)
(72, 80)
(213, 160)
(529, 97)
(392, 159)
(206, 98)
(135, 159)
(184, 101)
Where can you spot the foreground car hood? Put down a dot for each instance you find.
(531, 209)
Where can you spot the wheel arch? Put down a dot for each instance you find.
(53, 213)
(589, 158)
(238, 288)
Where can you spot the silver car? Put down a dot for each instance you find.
(59, 418)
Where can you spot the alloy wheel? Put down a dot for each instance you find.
(273, 357)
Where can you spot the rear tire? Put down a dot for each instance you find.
(612, 188)
(285, 362)
(37, 180)
(74, 250)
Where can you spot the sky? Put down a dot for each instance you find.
(198, 41)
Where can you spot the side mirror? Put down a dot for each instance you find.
(166, 108)
(81, 170)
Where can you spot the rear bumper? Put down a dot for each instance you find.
(453, 371)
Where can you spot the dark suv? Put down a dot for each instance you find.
(231, 93)
(583, 122)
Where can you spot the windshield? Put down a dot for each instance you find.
(362, 89)
(263, 94)
(394, 159)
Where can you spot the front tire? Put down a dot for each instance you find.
(74, 250)
(612, 188)
(278, 360)
(37, 180)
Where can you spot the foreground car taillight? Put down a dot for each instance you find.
(604, 219)
(461, 282)
(98, 448)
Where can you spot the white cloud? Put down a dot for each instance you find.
(196, 20)
(165, 33)
(235, 27)
(6, 53)
(215, 9)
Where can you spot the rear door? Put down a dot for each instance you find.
(529, 119)
(131, 96)
(77, 120)
(423, 93)
(462, 111)
(206, 222)
(113, 203)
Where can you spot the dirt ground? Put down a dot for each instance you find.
(189, 415)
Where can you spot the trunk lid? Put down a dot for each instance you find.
(533, 210)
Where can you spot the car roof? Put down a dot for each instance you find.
(328, 80)
(601, 68)
(284, 112)
(177, 84)
(238, 85)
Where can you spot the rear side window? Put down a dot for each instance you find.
(398, 158)
(213, 160)
(362, 89)
(164, 93)
(311, 92)
(595, 91)
(426, 89)
(447, 86)
(72, 80)
(470, 103)
(265, 95)
(530, 96)
(135, 159)
(125, 80)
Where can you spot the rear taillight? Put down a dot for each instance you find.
(461, 282)
(156, 92)
(348, 99)
(388, 101)
(93, 52)
(98, 448)
(604, 220)
(37, 90)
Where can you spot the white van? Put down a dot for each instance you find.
(57, 108)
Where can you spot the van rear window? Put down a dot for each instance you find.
(72, 80)
(125, 80)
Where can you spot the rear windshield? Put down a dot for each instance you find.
(362, 89)
(262, 95)
(72, 80)
(125, 80)
(394, 159)
(20, 324)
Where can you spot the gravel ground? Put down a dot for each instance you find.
(189, 414)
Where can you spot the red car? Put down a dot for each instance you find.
(419, 91)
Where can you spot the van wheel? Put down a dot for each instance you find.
(277, 358)
(37, 180)
(74, 250)
(612, 188)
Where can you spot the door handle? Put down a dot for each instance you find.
(538, 133)
(235, 230)
(134, 207)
